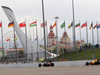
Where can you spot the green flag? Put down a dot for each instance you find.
(77, 25)
(63, 25)
(15, 39)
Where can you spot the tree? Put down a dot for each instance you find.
(97, 46)
(21, 54)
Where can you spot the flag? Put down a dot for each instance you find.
(91, 25)
(33, 24)
(63, 25)
(70, 25)
(23, 24)
(8, 40)
(54, 25)
(1, 24)
(11, 24)
(43, 25)
(95, 26)
(35, 39)
(77, 25)
(84, 25)
(98, 26)
(15, 39)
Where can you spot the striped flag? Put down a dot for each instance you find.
(91, 25)
(77, 25)
(11, 24)
(33, 24)
(95, 26)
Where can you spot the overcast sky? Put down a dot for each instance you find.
(85, 10)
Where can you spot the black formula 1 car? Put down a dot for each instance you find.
(47, 64)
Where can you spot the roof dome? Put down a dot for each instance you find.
(51, 33)
(50, 26)
(65, 35)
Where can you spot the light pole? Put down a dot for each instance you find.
(74, 38)
(44, 30)
(57, 35)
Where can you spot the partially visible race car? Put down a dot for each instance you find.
(95, 62)
(46, 64)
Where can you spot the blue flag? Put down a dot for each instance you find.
(98, 26)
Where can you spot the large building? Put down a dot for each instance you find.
(51, 39)
(65, 41)
(11, 53)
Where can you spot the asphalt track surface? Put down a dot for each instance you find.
(71, 70)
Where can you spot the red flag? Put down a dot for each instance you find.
(43, 25)
(23, 24)
(54, 25)
(1, 24)
(84, 25)
(8, 40)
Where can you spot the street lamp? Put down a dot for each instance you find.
(57, 35)
(74, 37)
(56, 17)
(44, 29)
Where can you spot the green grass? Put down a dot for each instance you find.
(81, 54)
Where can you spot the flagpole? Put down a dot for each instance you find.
(10, 46)
(30, 43)
(62, 48)
(65, 37)
(2, 43)
(74, 38)
(97, 35)
(41, 34)
(47, 35)
(15, 46)
(33, 45)
(26, 39)
(87, 32)
(80, 33)
(93, 42)
(87, 40)
(57, 35)
(37, 43)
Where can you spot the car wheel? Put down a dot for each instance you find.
(39, 65)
